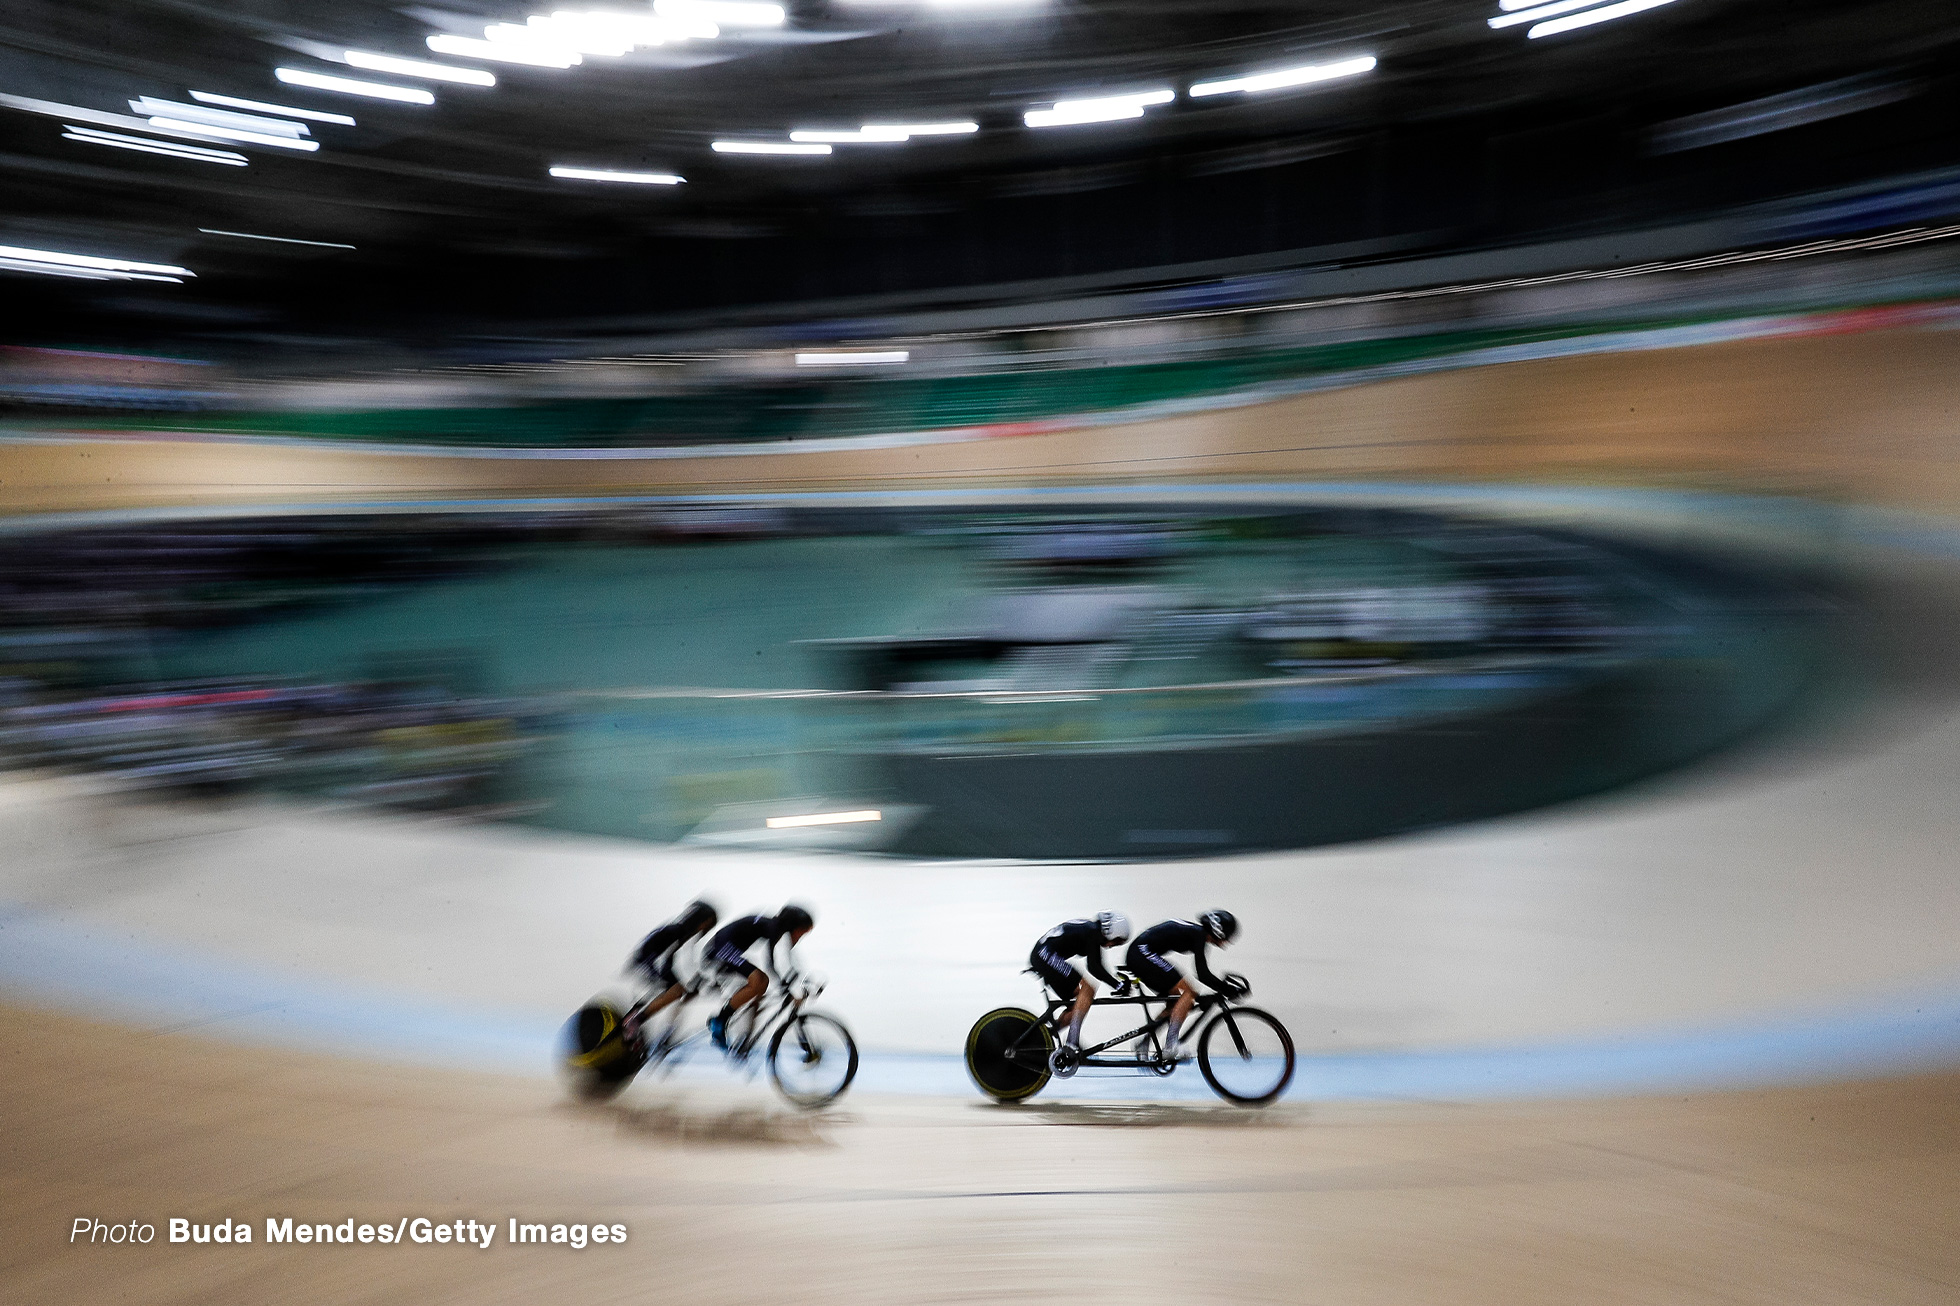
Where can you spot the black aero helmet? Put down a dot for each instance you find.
(794, 918)
(698, 916)
(1220, 926)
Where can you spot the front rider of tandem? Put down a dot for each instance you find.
(1148, 962)
(1085, 938)
(654, 961)
(728, 952)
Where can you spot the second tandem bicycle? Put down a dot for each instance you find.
(1244, 1053)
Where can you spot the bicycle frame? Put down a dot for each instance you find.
(774, 1007)
(1207, 1004)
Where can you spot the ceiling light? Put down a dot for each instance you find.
(884, 133)
(1282, 78)
(349, 86)
(1605, 15)
(91, 262)
(1105, 108)
(729, 13)
(821, 818)
(852, 357)
(1523, 14)
(151, 107)
(311, 115)
(435, 72)
(283, 240)
(603, 174)
(769, 147)
(206, 131)
(469, 47)
(73, 113)
(89, 136)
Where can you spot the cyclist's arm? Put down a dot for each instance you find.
(1096, 968)
(1205, 976)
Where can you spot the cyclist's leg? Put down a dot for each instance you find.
(1068, 985)
(1165, 981)
(1186, 996)
(753, 984)
(1085, 995)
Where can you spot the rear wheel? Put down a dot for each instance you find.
(1007, 1054)
(598, 1059)
(813, 1060)
(1246, 1056)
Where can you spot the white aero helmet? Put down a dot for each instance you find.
(1115, 926)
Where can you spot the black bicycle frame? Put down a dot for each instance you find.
(1057, 1009)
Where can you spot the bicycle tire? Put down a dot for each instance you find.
(1238, 1047)
(804, 1025)
(992, 1035)
(597, 1059)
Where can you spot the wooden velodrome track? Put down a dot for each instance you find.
(1820, 1194)
(1868, 418)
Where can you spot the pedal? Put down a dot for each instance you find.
(1064, 1061)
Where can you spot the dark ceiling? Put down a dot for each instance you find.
(1461, 135)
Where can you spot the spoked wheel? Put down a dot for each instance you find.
(1246, 1056)
(813, 1060)
(598, 1059)
(1007, 1054)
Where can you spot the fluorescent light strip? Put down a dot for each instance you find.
(92, 262)
(822, 818)
(349, 86)
(283, 240)
(729, 13)
(435, 72)
(1533, 14)
(1606, 15)
(769, 147)
(284, 110)
(1106, 108)
(74, 113)
(202, 131)
(470, 47)
(852, 357)
(894, 133)
(1305, 75)
(150, 107)
(89, 136)
(602, 174)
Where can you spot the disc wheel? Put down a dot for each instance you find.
(1246, 1056)
(813, 1060)
(1007, 1054)
(597, 1058)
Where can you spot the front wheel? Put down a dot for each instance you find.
(813, 1060)
(1246, 1056)
(1007, 1054)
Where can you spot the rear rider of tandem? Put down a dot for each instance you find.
(1148, 961)
(1053, 955)
(653, 962)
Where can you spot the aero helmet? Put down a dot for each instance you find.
(1220, 926)
(794, 918)
(698, 916)
(1115, 926)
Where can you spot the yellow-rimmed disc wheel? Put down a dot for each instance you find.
(1007, 1054)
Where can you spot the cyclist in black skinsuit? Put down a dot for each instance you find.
(1085, 938)
(654, 960)
(1148, 962)
(727, 951)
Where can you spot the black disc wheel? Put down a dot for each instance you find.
(813, 1060)
(1007, 1054)
(598, 1059)
(1246, 1056)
